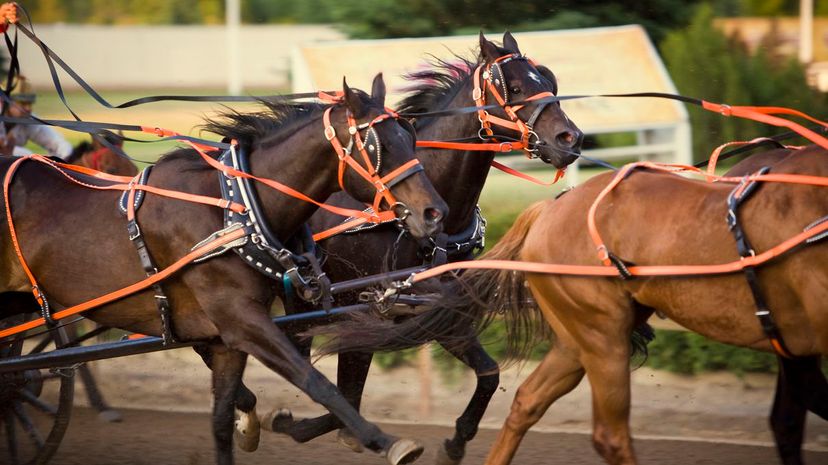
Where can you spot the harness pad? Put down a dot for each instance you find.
(141, 180)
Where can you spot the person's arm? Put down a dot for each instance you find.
(50, 140)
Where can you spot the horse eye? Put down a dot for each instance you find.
(515, 90)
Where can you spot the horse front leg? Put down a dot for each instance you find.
(247, 328)
(247, 427)
(228, 367)
(488, 378)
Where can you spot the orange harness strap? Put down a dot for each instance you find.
(136, 287)
(611, 271)
(268, 182)
(714, 157)
(558, 174)
(603, 252)
(59, 167)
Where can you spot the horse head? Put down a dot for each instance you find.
(385, 144)
(509, 76)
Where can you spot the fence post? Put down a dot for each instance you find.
(425, 366)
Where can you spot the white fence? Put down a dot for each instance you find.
(164, 57)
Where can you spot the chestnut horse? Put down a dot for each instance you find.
(651, 218)
(75, 243)
(97, 156)
(459, 176)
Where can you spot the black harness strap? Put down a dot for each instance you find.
(162, 302)
(263, 251)
(763, 313)
(139, 195)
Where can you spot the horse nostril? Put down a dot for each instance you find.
(567, 138)
(433, 215)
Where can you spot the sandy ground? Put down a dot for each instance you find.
(719, 406)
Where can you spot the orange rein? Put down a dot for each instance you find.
(122, 183)
(608, 270)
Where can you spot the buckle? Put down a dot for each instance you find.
(330, 135)
(603, 252)
(134, 230)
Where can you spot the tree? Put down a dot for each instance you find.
(705, 64)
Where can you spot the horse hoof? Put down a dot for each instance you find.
(404, 451)
(278, 421)
(247, 429)
(445, 458)
(347, 439)
(110, 416)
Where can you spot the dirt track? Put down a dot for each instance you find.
(721, 408)
(154, 438)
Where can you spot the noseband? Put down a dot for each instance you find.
(490, 78)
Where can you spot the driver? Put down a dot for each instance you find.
(13, 137)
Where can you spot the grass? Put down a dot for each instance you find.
(504, 197)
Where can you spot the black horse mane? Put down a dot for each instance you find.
(434, 86)
(254, 128)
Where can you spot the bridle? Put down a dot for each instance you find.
(489, 78)
(371, 145)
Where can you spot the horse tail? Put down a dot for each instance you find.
(469, 304)
(502, 295)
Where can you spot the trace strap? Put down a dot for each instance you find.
(742, 191)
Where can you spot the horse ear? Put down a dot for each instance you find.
(547, 73)
(509, 43)
(352, 100)
(488, 50)
(378, 89)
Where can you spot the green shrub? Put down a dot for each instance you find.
(674, 351)
(707, 65)
(689, 353)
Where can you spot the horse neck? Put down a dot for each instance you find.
(458, 176)
(304, 161)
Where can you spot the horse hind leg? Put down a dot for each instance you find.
(488, 378)
(801, 386)
(352, 372)
(246, 327)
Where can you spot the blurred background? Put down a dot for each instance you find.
(748, 52)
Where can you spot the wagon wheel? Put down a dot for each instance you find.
(35, 405)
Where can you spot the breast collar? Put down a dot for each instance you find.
(469, 240)
(263, 251)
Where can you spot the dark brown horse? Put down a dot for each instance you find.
(97, 156)
(593, 318)
(458, 176)
(75, 242)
